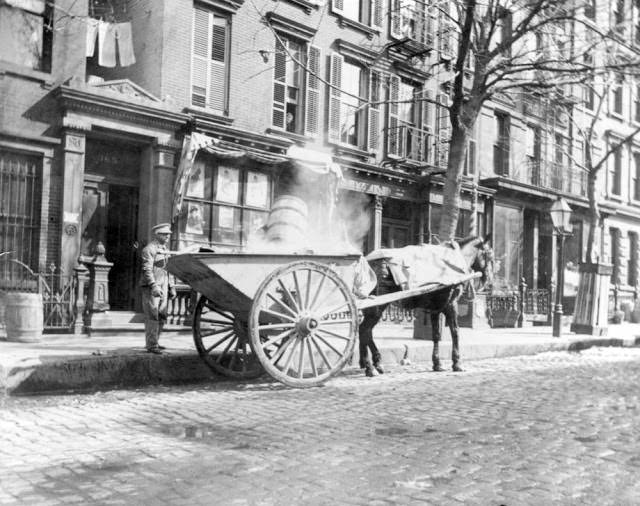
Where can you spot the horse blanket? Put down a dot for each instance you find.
(414, 266)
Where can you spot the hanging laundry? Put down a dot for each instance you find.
(106, 44)
(92, 33)
(125, 44)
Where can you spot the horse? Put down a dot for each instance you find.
(478, 256)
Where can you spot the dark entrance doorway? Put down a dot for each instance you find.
(110, 215)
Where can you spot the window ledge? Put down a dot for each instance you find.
(289, 135)
(306, 5)
(342, 149)
(616, 115)
(25, 72)
(208, 115)
(356, 25)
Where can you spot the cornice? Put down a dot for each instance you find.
(290, 27)
(356, 52)
(75, 99)
(272, 144)
(410, 73)
(306, 5)
(225, 5)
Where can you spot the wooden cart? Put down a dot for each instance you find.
(293, 316)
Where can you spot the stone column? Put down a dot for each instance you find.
(160, 189)
(74, 140)
(473, 218)
(377, 221)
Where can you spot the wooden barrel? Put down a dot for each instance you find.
(23, 317)
(288, 221)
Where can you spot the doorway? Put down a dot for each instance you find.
(110, 216)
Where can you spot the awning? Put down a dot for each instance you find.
(304, 159)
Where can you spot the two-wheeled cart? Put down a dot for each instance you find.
(293, 316)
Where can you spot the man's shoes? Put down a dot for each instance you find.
(160, 347)
(155, 349)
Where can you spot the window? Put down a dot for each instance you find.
(26, 33)
(296, 93)
(210, 60)
(532, 152)
(413, 19)
(617, 95)
(19, 211)
(224, 204)
(501, 147)
(463, 227)
(470, 155)
(636, 176)
(404, 138)
(590, 9)
(614, 237)
(636, 104)
(366, 12)
(506, 29)
(616, 173)
(618, 13)
(443, 131)
(350, 123)
(632, 266)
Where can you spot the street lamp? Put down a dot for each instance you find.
(561, 218)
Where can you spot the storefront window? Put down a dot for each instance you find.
(508, 228)
(223, 204)
(463, 228)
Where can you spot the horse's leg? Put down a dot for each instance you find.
(371, 316)
(436, 331)
(451, 315)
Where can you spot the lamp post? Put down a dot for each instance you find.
(560, 217)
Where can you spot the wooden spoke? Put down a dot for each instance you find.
(219, 342)
(312, 361)
(298, 292)
(226, 350)
(283, 325)
(291, 298)
(335, 309)
(301, 361)
(282, 304)
(328, 344)
(307, 296)
(321, 351)
(274, 339)
(279, 315)
(335, 322)
(226, 328)
(317, 293)
(296, 341)
(333, 334)
(217, 322)
(281, 349)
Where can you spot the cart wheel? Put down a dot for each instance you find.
(222, 341)
(303, 324)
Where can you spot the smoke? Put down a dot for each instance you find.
(308, 217)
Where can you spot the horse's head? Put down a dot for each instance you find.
(479, 254)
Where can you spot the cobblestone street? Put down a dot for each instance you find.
(555, 428)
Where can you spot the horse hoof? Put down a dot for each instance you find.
(438, 368)
(379, 368)
(368, 372)
(457, 368)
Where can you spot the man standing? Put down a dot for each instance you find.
(156, 286)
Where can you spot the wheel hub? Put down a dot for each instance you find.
(306, 325)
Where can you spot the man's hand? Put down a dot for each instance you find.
(156, 292)
(172, 293)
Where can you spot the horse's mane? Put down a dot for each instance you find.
(468, 240)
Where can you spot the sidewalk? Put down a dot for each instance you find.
(63, 363)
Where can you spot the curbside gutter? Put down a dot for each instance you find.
(127, 368)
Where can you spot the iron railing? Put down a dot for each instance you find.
(556, 176)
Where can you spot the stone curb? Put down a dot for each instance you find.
(127, 369)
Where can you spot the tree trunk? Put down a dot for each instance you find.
(594, 217)
(453, 182)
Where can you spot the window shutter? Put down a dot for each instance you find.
(427, 126)
(200, 58)
(218, 81)
(374, 110)
(393, 133)
(444, 36)
(279, 85)
(312, 102)
(376, 14)
(335, 96)
(428, 22)
(395, 17)
(337, 6)
(443, 133)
